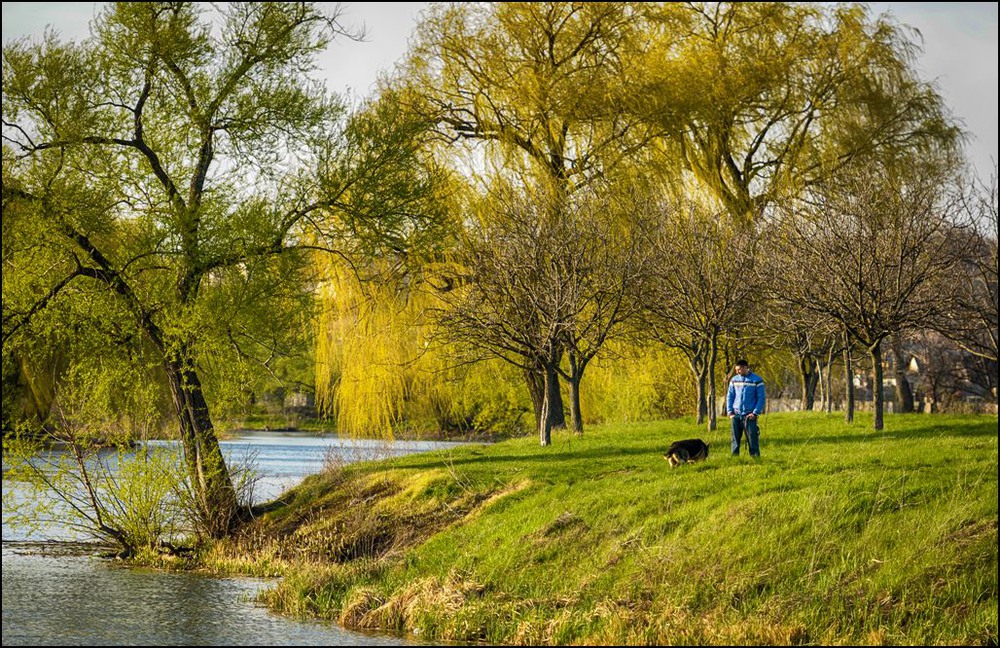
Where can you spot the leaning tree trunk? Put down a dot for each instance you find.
(216, 502)
(877, 395)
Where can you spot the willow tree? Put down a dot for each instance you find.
(757, 100)
(542, 82)
(172, 169)
(535, 87)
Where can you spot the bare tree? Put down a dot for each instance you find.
(972, 325)
(542, 283)
(809, 337)
(700, 286)
(871, 249)
(606, 263)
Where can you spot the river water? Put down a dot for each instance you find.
(56, 592)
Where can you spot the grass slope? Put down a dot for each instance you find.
(837, 535)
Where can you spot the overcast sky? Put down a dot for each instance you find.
(959, 41)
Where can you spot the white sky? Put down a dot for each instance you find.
(960, 51)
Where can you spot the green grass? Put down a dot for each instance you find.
(837, 535)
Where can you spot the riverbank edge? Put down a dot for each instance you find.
(352, 545)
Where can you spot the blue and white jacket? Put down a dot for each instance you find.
(746, 395)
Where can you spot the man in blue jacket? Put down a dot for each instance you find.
(744, 403)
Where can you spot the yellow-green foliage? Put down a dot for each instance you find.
(379, 371)
(490, 395)
(381, 367)
(628, 383)
(361, 353)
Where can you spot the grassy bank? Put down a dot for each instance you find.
(836, 536)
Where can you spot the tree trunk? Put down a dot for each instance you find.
(217, 505)
(557, 411)
(821, 385)
(545, 426)
(536, 389)
(879, 404)
(545, 420)
(904, 394)
(539, 390)
(698, 362)
(702, 404)
(807, 373)
(828, 385)
(713, 353)
(576, 377)
(848, 381)
(576, 416)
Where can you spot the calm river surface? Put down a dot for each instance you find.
(59, 594)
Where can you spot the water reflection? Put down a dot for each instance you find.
(71, 598)
(77, 600)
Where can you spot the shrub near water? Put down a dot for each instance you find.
(837, 535)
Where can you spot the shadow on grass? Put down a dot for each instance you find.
(593, 455)
(654, 449)
(926, 430)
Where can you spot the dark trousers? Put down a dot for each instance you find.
(741, 424)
